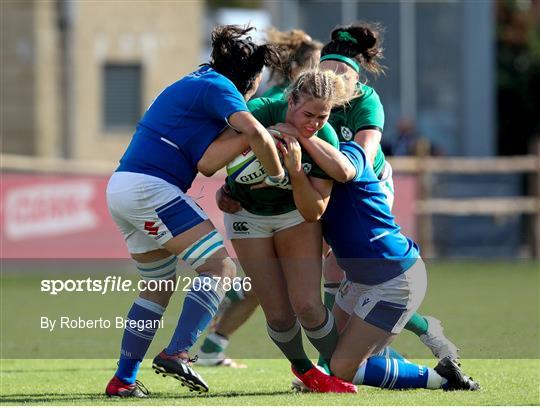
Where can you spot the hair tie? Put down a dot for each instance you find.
(342, 58)
(346, 36)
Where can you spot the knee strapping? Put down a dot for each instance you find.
(162, 269)
(197, 253)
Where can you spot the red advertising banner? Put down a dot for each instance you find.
(62, 216)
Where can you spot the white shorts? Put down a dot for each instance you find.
(388, 305)
(244, 224)
(387, 183)
(149, 211)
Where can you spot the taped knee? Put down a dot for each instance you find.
(162, 269)
(198, 252)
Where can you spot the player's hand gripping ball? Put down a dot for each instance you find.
(246, 167)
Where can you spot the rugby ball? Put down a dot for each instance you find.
(246, 168)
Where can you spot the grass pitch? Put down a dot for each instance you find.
(490, 309)
(264, 382)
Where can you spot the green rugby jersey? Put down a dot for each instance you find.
(363, 112)
(275, 92)
(272, 200)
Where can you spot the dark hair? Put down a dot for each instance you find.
(294, 47)
(237, 57)
(361, 41)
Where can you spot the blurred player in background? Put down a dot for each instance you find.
(160, 223)
(279, 244)
(298, 52)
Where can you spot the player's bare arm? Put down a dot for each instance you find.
(369, 139)
(310, 194)
(226, 147)
(328, 158)
(260, 141)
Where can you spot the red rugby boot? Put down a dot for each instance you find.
(318, 381)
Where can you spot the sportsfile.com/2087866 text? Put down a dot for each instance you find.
(111, 284)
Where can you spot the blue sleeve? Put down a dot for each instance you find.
(223, 99)
(356, 156)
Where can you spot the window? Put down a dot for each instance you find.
(122, 95)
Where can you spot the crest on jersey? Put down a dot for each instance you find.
(306, 167)
(346, 133)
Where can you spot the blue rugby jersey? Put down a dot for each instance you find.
(360, 227)
(180, 124)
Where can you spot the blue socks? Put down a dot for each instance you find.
(143, 322)
(392, 373)
(200, 306)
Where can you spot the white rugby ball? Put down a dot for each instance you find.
(246, 168)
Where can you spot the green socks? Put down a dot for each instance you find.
(290, 344)
(234, 295)
(324, 338)
(214, 343)
(417, 324)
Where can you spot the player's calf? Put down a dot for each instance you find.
(206, 292)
